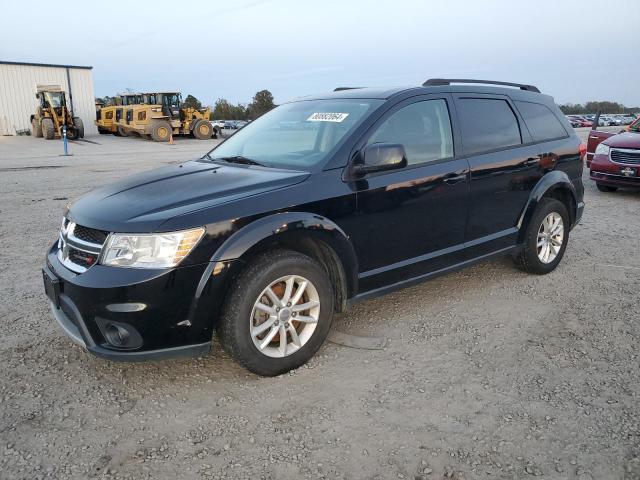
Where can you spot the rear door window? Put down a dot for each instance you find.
(542, 123)
(487, 124)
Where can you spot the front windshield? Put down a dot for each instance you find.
(296, 135)
(53, 99)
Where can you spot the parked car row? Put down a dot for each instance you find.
(609, 120)
(578, 121)
(228, 124)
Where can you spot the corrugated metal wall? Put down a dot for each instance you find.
(18, 94)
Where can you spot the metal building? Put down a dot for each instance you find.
(18, 102)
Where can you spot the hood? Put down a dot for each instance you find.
(143, 202)
(624, 140)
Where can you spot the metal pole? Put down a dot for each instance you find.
(64, 142)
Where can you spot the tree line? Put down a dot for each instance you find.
(261, 103)
(593, 107)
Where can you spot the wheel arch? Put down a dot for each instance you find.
(307, 233)
(555, 184)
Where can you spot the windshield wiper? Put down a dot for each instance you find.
(238, 159)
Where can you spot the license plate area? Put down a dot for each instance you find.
(51, 287)
(629, 171)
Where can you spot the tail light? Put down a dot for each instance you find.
(583, 151)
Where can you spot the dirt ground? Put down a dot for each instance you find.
(488, 373)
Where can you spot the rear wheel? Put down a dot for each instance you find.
(77, 121)
(202, 130)
(36, 129)
(161, 132)
(122, 132)
(546, 238)
(48, 129)
(605, 188)
(278, 313)
(72, 133)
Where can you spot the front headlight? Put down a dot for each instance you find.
(602, 149)
(157, 250)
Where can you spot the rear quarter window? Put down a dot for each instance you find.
(487, 124)
(542, 123)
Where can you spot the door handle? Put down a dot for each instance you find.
(454, 177)
(531, 161)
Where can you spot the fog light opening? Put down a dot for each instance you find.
(116, 335)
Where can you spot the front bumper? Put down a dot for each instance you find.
(164, 313)
(71, 328)
(604, 171)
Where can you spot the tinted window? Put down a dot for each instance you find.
(297, 135)
(487, 124)
(542, 123)
(423, 128)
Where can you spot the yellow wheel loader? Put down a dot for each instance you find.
(162, 116)
(108, 115)
(52, 114)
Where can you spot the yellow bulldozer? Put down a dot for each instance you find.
(52, 114)
(108, 115)
(162, 115)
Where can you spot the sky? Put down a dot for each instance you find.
(574, 50)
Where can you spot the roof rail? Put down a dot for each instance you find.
(448, 81)
(340, 89)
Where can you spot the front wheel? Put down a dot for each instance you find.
(605, 188)
(161, 131)
(278, 313)
(546, 238)
(202, 130)
(36, 129)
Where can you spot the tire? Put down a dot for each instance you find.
(238, 313)
(72, 133)
(122, 132)
(36, 129)
(103, 131)
(529, 259)
(48, 129)
(605, 188)
(161, 131)
(216, 132)
(77, 121)
(202, 130)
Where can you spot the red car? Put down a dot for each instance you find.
(581, 121)
(614, 160)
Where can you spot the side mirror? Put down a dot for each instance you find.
(380, 157)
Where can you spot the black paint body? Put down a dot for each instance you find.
(387, 229)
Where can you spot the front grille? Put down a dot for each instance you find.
(79, 247)
(90, 235)
(82, 258)
(628, 157)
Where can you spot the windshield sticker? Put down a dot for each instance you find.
(327, 117)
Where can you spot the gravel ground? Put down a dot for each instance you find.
(488, 373)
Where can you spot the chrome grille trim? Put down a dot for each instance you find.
(67, 240)
(624, 156)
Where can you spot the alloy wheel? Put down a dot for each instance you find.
(550, 237)
(284, 316)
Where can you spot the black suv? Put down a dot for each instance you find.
(321, 202)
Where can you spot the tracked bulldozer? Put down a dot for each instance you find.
(162, 115)
(52, 114)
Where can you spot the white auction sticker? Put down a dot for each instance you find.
(327, 117)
